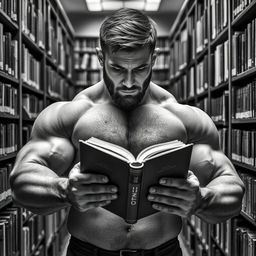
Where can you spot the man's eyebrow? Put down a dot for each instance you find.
(118, 66)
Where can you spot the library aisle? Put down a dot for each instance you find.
(206, 58)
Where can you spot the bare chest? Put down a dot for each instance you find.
(145, 126)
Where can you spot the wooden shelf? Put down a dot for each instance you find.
(244, 166)
(218, 245)
(221, 37)
(244, 121)
(202, 94)
(8, 156)
(245, 75)
(28, 88)
(5, 202)
(201, 54)
(8, 79)
(8, 22)
(8, 116)
(37, 52)
(245, 16)
(221, 87)
(248, 218)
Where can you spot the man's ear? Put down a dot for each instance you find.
(154, 56)
(100, 55)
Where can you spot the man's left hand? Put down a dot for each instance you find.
(176, 196)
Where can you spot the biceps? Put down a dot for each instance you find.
(55, 153)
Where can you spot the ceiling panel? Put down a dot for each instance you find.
(79, 6)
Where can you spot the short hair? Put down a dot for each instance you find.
(127, 29)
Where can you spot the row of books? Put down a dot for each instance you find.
(243, 146)
(239, 6)
(201, 26)
(219, 16)
(244, 105)
(57, 86)
(32, 105)
(88, 78)
(86, 44)
(86, 61)
(10, 7)
(160, 76)
(8, 53)
(53, 223)
(221, 236)
(32, 22)
(8, 231)
(179, 88)
(244, 49)
(219, 60)
(8, 99)
(8, 138)
(178, 54)
(244, 237)
(31, 69)
(219, 107)
(5, 191)
(203, 104)
(223, 136)
(202, 75)
(32, 234)
(162, 43)
(162, 61)
(191, 40)
(51, 34)
(26, 131)
(248, 203)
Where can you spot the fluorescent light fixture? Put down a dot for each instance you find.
(109, 5)
(94, 7)
(152, 6)
(139, 5)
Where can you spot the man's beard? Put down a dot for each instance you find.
(127, 102)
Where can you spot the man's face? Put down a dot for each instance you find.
(127, 75)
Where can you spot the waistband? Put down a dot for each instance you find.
(79, 247)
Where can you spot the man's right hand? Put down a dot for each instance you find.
(86, 191)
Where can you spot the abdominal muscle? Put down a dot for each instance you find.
(108, 231)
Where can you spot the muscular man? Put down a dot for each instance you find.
(125, 108)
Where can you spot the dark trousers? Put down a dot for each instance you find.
(79, 248)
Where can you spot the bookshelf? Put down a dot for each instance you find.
(213, 66)
(87, 70)
(36, 42)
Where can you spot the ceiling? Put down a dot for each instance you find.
(79, 6)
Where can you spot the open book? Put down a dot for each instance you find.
(134, 175)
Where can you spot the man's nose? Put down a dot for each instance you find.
(128, 81)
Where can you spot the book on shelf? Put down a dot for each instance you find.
(134, 176)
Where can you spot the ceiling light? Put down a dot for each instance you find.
(139, 5)
(111, 5)
(152, 6)
(108, 5)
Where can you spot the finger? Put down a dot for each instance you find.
(174, 182)
(97, 198)
(87, 178)
(170, 210)
(94, 189)
(170, 191)
(170, 201)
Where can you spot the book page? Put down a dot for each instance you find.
(155, 150)
(110, 148)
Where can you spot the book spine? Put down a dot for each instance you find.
(133, 193)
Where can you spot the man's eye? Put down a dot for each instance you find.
(142, 68)
(116, 68)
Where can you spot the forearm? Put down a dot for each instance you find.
(220, 200)
(38, 188)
